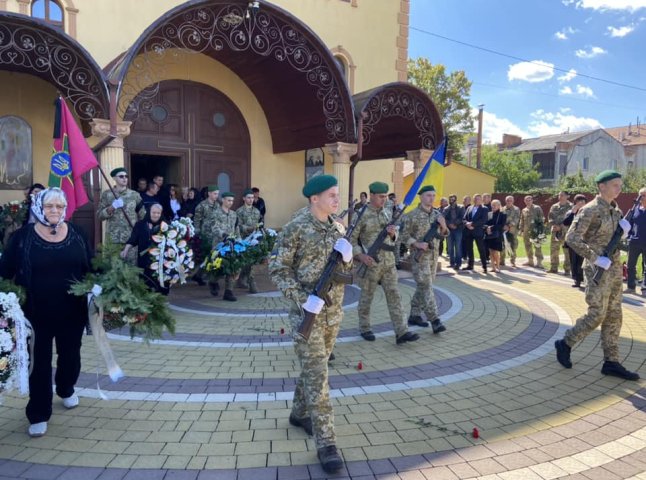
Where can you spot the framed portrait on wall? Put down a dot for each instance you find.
(314, 163)
(15, 153)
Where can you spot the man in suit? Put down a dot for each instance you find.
(475, 218)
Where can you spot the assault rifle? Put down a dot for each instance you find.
(342, 215)
(613, 244)
(326, 279)
(378, 244)
(433, 233)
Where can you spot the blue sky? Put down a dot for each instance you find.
(600, 38)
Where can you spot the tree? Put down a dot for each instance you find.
(450, 94)
(514, 171)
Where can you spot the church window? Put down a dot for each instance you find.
(48, 10)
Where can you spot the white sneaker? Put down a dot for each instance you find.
(71, 402)
(37, 429)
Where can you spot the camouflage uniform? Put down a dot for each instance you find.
(513, 219)
(527, 219)
(248, 220)
(589, 234)
(203, 221)
(555, 217)
(383, 272)
(118, 229)
(225, 224)
(416, 225)
(389, 206)
(298, 260)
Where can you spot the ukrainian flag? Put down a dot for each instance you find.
(431, 174)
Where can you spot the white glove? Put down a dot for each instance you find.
(344, 248)
(625, 225)
(117, 203)
(314, 304)
(97, 290)
(603, 262)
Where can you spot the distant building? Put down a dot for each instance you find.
(633, 138)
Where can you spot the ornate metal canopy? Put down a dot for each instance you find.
(28, 45)
(288, 68)
(397, 117)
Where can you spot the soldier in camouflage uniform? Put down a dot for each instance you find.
(589, 234)
(416, 224)
(528, 216)
(383, 272)
(296, 264)
(248, 221)
(511, 228)
(225, 224)
(203, 222)
(114, 210)
(555, 218)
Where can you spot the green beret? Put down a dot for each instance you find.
(378, 187)
(248, 191)
(117, 171)
(426, 188)
(227, 194)
(319, 184)
(607, 175)
(213, 188)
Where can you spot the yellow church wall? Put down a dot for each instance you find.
(31, 99)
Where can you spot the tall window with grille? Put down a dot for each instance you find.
(49, 10)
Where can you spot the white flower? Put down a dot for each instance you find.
(6, 341)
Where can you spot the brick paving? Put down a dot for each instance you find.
(212, 402)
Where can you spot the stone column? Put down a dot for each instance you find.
(419, 159)
(112, 156)
(398, 179)
(341, 153)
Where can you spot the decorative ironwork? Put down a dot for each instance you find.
(32, 49)
(210, 29)
(398, 103)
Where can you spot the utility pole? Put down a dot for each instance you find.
(479, 146)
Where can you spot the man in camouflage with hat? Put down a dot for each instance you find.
(115, 209)
(249, 218)
(529, 217)
(589, 235)
(382, 272)
(297, 262)
(204, 219)
(225, 224)
(555, 218)
(416, 224)
(511, 229)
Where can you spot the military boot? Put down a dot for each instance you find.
(253, 288)
(214, 288)
(438, 326)
(242, 283)
(229, 296)
(330, 459)
(563, 353)
(616, 369)
(304, 423)
(417, 320)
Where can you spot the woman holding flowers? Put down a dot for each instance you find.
(45, 258)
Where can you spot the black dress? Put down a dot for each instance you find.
(46, 270)
(141, 237)
(494, 240)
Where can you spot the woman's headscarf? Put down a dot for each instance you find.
(37, 206)
(147, 218)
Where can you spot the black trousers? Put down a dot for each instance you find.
(482, 251)
(576, 266)
(634, 251)
(67, 334)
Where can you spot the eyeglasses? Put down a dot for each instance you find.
(51, 206)
(122, 176)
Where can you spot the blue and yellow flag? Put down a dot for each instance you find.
(431, 174)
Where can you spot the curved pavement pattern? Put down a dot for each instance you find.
(213, 401)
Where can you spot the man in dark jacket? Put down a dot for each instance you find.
(474, 220)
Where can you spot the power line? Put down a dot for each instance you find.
(513, 57)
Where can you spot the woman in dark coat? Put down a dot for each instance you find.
(45, 258)
(191, 203)
(493, 234)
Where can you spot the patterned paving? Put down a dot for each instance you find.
(213, 401)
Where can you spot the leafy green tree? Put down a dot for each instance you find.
(450, 93)
(514, 171)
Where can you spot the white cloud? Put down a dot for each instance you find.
(621, 31)
(566, 91)
(560, 36)
(591, 53)
(566, 77)
(630, 5)
(493, 127)
(533, 72)
(548, 123)
(563, 34)
(581, 90)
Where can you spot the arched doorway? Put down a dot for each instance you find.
(193, 135)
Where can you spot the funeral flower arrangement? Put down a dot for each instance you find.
(537, 233)
(14, 332)
(227, 258)
(172, 255)
(13, 212)
(261, 243)
(125, 299)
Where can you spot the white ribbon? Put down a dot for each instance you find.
(160, 260)
(95, 317)
(23, 351)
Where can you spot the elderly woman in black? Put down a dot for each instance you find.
(494, 234)
(45, 258)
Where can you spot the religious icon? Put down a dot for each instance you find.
(15, 153)
(314, 163)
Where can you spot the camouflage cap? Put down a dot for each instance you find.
(426, 188)
(319, 184)
(227, 194)
(117, 171)
(378, 187)
(607, 175)
(213, 188)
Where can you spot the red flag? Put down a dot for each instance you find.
(71, 158)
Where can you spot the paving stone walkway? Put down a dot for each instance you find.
(212, 402)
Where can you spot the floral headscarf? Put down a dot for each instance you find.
(37, 207)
